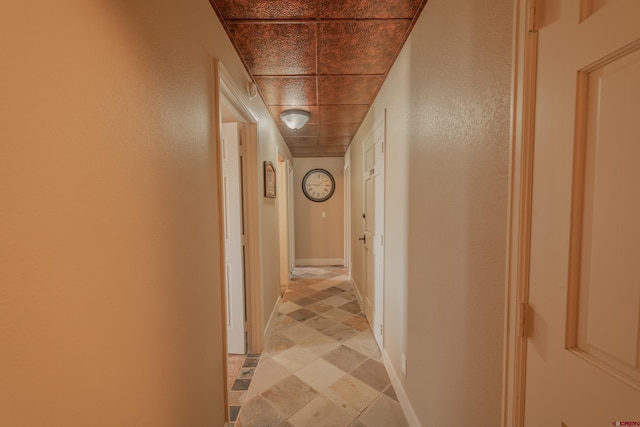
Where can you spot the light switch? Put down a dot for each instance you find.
(324, 214)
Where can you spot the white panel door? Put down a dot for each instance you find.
(583, 351)
(234, 265)
(374, 229)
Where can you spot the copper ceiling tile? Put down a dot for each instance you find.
(288, 90)
(307, 130)
(345, 129)
(342, 113)
(359, 47)
(335, 140)
(312, 109)
(331, 151)
(267, 9)
(348, 89)
(301, 141)
(276, 49)
(368, 9)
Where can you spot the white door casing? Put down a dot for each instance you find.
(374, 228)
(582, 351)
(232, 213)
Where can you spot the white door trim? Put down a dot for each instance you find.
(236, 100)
(519, 215)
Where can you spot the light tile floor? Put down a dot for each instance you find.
(321, 366)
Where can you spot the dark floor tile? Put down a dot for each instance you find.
(302, 314)
(251, 362)
(372, 373)
(351, 307)
(246, 373)
(333, 291)
(345, 358)
(391, 393)
(304, 301)
(240, 385)
(233, 413)
(340, 332)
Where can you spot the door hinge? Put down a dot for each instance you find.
(522, 327)
(380, 328)
(244, 240)
(382, 240)
(243, 150)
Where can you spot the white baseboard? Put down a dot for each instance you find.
(320, 261)
(272, 318)
(412, 418)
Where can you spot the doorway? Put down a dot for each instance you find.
(236, 145)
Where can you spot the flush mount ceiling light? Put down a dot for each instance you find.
(295, 119)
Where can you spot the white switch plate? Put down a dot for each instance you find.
(324, 214)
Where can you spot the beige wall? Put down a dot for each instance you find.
(109, 251)
(319, 240)
(447, 101)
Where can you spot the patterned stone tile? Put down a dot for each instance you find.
(390, 392)
(351, 394)
(358, 323)
(337, 315)
(351, 307)
(384, 412)
(372, 373)
(321, 412)
(259, 413)
(289, 395)
(295, 358)
(268, 373)
(302, 314)
(278, 343)
(345, 358)
(319, 307)
(320, 324)
(320, 374)
(341, 332)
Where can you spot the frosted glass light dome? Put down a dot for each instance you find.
(295, 119)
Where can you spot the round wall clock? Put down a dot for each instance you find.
(318, 185)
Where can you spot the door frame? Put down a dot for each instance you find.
(523, 102)
(347, 210)
(237, 100)
(377, 323)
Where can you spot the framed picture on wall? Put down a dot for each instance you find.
(269, 180)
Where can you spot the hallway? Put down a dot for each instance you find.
(321, 365)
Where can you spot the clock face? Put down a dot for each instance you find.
(318, 185)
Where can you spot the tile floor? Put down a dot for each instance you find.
(321, 366)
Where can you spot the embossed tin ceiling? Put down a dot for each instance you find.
(328, 57)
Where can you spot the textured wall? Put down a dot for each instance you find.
(318, 237)
(109, 251)
(447, 102)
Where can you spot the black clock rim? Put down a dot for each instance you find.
(325, 198)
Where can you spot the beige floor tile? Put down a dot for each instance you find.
(236, 398)
(325, 284)
(351, 394)
(384, 412)
(320, 324)
(295, 358)
(345, 358)
(277, 343)
(283, 322)
(322, 346)
(320, 374)
(363, 343)
(336, 315)
(288, 307)
(302, 334)
(269, 373)
(289, 395)
(259, 413)
(336, 301)
(321, 412)
(319, 307)
(234, 364)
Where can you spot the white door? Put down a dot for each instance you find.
(583, 351)
(232, 212)
(374, 229)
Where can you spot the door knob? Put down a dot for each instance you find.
(363, 238)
